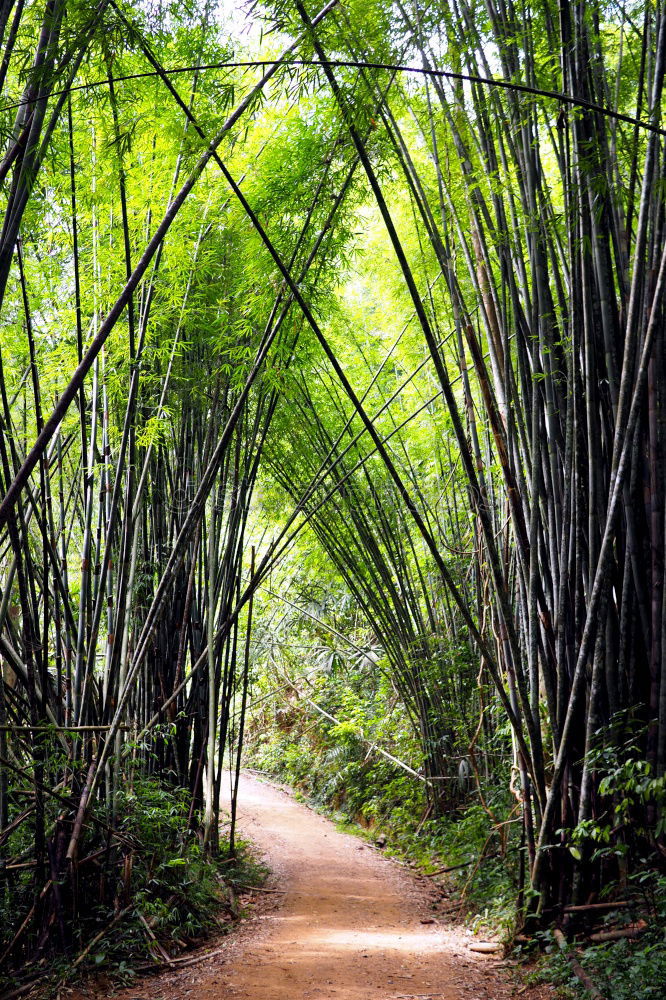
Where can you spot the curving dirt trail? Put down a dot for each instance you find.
(346, 925)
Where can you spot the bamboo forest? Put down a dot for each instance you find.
(333, 499)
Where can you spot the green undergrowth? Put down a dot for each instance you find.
(154, 895)
(625, 969)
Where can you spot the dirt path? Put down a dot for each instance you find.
(347, 926)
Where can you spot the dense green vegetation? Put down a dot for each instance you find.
(332, 390)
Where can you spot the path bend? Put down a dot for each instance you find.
(346, 923)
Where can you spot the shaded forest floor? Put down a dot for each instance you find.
(337, 920)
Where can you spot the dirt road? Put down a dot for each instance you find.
(348, 925)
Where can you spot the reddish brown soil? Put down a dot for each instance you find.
(348, 924)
